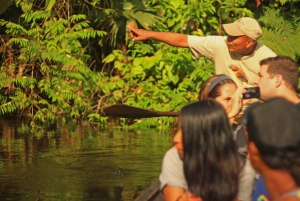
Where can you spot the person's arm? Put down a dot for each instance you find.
(171, 178)
(237, 103)
(172, 193)
(174, 39)
(246, 182)
(188, 197)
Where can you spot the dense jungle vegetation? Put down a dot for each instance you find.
(69, 59)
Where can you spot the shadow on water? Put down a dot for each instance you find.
(75, 162)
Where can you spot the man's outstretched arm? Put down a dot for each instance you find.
(174, 39)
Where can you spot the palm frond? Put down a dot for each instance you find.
(280, 34)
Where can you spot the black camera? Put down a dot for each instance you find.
(252, 92)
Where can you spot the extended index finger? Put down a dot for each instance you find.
(130, 28)
(132, 32)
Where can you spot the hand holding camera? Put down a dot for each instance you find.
(252, 92)
(242, 96)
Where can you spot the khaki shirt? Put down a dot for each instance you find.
(238, 67)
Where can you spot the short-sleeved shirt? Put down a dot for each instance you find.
(260, 191)
(238, 67)
(240, 138)
(172, 174)
(172, 170)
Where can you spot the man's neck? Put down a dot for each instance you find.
(290, 96)
(279, 183)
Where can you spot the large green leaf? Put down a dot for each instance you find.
(49, 4)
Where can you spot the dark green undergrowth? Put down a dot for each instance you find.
(68, 62)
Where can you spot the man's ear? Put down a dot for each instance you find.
(254, 156)
(250, 42)
(278, 80)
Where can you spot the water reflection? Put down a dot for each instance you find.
(78, 162)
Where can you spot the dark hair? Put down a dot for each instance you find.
(205, 93)
(274, 128)
(284, 66)
(211, 161)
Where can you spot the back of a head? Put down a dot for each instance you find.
(274, 127)
(209, 145)
(203, 118)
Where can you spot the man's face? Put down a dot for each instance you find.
(265, 83)
(238, 44)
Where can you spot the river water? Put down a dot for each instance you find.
(75, 162)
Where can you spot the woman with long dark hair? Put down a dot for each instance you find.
(211, 161)
(224, 90)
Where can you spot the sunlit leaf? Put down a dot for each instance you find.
(49, 4)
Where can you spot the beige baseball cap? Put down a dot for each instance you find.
(244, 26)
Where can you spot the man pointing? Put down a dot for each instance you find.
(236, 55)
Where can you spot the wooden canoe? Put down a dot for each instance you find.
(151, 194)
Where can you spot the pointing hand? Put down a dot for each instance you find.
(139, 34)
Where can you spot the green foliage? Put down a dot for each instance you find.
(48, 73)
(49, 5)
(26, 5)
(119, 14)
(164, 81)
(280, 33)
(57, 63)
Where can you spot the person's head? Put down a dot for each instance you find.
(211, 160)
(219, 87)
(276, 76)
(242, 34)
(274, 136)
